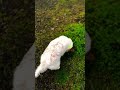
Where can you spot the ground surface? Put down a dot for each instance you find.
(103, 69)
(16, 37)
(52, 17)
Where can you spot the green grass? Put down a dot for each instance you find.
(62, 76)
(66, 17)
(104, 19)
(72, 71)
(73, 63)
(77, 33)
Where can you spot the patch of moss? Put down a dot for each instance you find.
(76, 32)
(105, 36)
(62, 77)
(72, 70)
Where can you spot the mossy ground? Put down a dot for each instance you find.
(64, 18)
(103, 73)
(16, 37)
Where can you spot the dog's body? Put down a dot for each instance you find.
(50, 59)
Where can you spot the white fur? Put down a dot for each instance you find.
(50, 59)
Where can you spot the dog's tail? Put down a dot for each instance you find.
(40, 69)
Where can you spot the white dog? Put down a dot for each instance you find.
(50, 59)
(24, 78)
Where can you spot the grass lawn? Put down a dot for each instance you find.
(64, 18)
